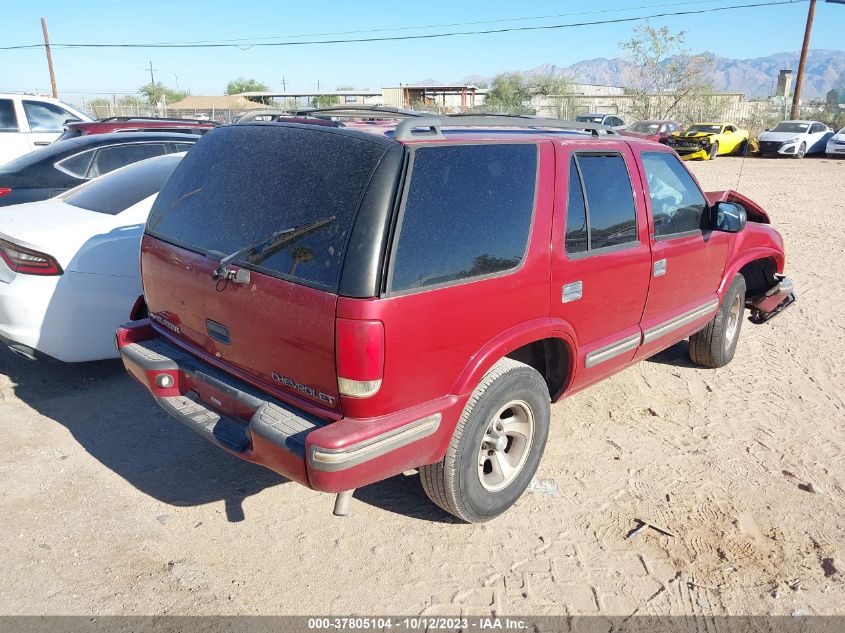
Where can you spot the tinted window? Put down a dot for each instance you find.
(78, 164)
(467, 213)
(791, 126)
(119, 190)
(46, 117)
(677, 204)
(8, 119)
(610, 200)
(241, 184)
(576, 213)
(110, 158)
(183, 147)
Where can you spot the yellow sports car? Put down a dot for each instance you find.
(706, 141)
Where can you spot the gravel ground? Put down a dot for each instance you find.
(111, 507)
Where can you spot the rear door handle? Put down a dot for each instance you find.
(659, 268)
(572, 292)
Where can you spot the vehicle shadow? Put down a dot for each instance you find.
(116, 421)
(403, 495)
(677, 355)
(118, 424)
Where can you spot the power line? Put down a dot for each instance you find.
(421, 36)
(446, 25)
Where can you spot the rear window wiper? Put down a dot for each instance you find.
(258, 251)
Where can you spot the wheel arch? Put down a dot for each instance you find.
(547, 345)
(751, 261)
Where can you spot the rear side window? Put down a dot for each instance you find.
(78, 164)
(110, 158)
(242, 185)
(611, 214)
(119, 190)
(8, 119)
(577, 239)
(467, 213)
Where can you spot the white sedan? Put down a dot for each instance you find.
(795, 138)
(69, 272)
(836, 144)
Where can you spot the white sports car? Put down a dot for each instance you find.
(836, 144)
(69, 272)
(795, 138)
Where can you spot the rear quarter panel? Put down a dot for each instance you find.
(432, 336)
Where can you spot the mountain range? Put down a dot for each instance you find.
(755, 77)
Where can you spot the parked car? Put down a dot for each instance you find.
(28, 122)
(795, 139)
(657, 131)
(608, 120)
(291, 317)
(69, 265)
(63, 165)
(836, 144)
(706, 141)
(136, 124)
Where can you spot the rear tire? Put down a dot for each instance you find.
(496, 447)
(742, 150)
(715, 345)
(714, 151)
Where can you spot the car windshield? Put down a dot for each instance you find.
(791, 126)
(119, 190)
(589, 118)
(645, 127)
(699, 127)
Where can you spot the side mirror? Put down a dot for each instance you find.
(728, 217)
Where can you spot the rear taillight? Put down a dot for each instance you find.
(27, 261)
(4, 191)
(360, 357)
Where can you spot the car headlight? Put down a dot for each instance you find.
(794, 139)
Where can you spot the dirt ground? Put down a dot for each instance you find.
(111, 507)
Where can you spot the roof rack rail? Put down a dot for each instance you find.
(156, 118)
(353, 110)
(432, 126)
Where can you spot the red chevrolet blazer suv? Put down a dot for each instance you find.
(342, 305)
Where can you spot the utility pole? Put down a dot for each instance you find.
(49, 58)
(177, 82)
(152, 77)
(799, 80)
(284, 84)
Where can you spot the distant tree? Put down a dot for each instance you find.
(242, 84)
(556, 92)
(323, 101)
(665, 77)
(154, 92)
(129, 101)
(509, 93)
(99, 102)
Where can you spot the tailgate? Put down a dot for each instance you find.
(277, 334)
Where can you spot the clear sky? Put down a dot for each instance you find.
(741, 33)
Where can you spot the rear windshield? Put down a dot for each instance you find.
(244, 185)
(588, 118)
(119, 190)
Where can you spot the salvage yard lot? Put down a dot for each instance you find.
(111, 507)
